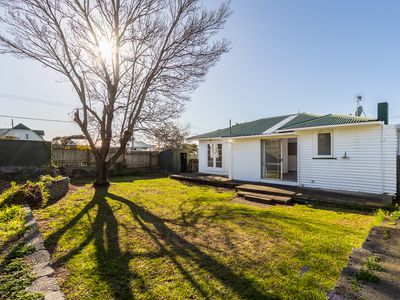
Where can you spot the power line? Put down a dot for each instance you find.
(33, 100)
(36, 119)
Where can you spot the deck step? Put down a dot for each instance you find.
(262, 189)
(265, 198)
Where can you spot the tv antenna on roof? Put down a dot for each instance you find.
(359, 108)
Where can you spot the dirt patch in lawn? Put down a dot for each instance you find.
(252, 203)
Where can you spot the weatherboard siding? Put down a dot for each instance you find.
(366, 169)
(390, 158)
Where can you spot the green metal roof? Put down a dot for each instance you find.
(327, 120)
(248, 128)
(254, 127)
(302, 120)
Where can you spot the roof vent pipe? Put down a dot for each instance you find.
(383, 112)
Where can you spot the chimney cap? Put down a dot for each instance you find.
(383, 112)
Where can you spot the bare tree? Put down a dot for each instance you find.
(169, 135)
(132, 63)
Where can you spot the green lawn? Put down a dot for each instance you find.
(164, 239)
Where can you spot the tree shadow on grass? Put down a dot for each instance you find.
(161, 234)
(113, 263)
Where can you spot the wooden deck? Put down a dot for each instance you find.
(281, 194)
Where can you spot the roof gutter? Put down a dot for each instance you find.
(332, 126)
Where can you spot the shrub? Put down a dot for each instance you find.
(12, 220)
(381, 215)
(395, 216)
(33, 193)
(48, 178)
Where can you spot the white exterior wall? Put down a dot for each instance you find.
(246, 157)
(203, 168)
(370, 166)
(20, 134)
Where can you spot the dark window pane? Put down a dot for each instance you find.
(324, 144)
(292, 148)
(218, 160)
(210, 161)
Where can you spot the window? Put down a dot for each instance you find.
(324, 144)
(214, 155)
(210, 160)
(27, 136)
(218, 159)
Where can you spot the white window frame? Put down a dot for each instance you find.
(214, 148)
(316, 144)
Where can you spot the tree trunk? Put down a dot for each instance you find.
(102, 172)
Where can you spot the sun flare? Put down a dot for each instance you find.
(106, 49)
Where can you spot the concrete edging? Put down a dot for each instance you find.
(40, 261)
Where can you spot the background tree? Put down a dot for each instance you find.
(132, 63)
(169, 135)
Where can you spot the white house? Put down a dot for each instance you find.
(21, 132)
(329, 152)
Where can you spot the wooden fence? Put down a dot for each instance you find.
(72, 157)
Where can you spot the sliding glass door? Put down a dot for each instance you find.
(271, 159)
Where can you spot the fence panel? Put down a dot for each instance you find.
(79, 158)
(19, 153)
(72, 157)
(141, 159)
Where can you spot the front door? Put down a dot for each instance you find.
(272, 159)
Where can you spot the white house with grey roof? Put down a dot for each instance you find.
(21, 132)
(338, 152)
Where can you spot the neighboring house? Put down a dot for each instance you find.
(71, 140)
(142, 146)
(329, 152)
(21, 132)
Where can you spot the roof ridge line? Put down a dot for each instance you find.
(350, 116)
(316, 117)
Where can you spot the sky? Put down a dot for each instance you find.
(287, 56)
